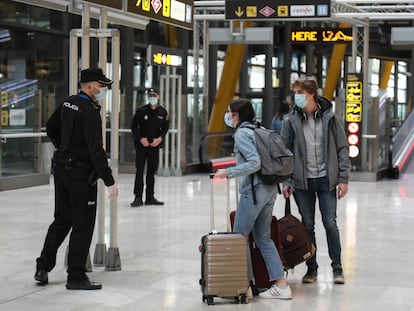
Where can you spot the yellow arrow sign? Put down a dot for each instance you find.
(239, 12)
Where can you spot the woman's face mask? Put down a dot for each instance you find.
(227, 120)
(300, 100)
(102, 93)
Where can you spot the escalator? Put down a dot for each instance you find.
(402, 148)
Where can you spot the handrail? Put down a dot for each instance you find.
(403, 142)
(43, 134)
(22, 135)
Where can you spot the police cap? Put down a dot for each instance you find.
(94, 74)
(152, 91)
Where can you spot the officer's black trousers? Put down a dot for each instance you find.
(75, 207)
(150, 155)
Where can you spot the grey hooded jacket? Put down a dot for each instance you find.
(336, 149)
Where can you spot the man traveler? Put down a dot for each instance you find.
(75, 128)
(149, 127)
(315, 135)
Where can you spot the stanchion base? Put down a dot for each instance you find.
(166, 172)
(113, 260)
(177, 172)
(100, 255)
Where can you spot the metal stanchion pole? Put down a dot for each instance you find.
(173, 107)
(166, 103)
(100, 248)
(179, 127)
(113, 260)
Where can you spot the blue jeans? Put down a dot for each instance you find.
(327, 206)
(257, 219)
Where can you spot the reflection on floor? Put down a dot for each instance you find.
(160, 261)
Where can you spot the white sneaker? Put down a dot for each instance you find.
(276, 292)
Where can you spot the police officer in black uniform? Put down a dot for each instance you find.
(75, 129)
(149, 127)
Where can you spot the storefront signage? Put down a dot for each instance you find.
(4, 118)
(162, 56)
(116, 4)
(322, 35)
(282, 9)
(4, 98)
(175, 12)
(17, 117)
(353, 116)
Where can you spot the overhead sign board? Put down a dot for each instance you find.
(353, 116)
(116, 4)
(162, 56)
(175, 12)
(251, 35)
(282, 9)
(321, 35)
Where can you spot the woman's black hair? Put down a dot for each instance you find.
(244, 108)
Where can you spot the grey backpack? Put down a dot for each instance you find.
(275, 157)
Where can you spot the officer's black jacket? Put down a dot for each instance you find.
(150, 123)
(75, 128)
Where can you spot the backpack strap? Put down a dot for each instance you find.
(252, 182)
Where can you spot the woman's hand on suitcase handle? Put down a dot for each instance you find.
(221, 173)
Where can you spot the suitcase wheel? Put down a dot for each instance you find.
(209, 299)
(244, 299)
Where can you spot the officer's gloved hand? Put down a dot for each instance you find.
(113, 191)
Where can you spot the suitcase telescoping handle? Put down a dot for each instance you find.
(227, 190)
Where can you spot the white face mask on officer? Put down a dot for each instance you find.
(153, 101)
(102, 93)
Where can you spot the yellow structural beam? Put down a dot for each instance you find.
(386, 73)
(171, 35)
(334, 68)
(227, 86)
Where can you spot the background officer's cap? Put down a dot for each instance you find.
(94, 74)
(152, 91)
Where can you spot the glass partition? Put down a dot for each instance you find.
(20, 128)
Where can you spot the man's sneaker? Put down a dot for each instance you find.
(338, 276)
(276, 292)
(310, 276)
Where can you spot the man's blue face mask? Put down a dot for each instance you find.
(300, 100)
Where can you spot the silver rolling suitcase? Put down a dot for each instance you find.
(224, 261)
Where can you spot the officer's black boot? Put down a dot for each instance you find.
(153, 201)
(137, 202)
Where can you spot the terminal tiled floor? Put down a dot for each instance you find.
(160, 261)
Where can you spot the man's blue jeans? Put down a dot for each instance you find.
(327, 205)
(256, 218)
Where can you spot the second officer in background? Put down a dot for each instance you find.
(149, 127)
